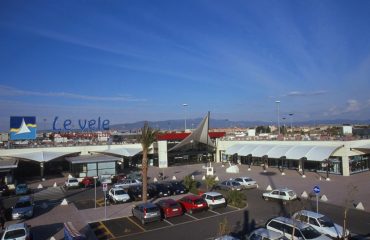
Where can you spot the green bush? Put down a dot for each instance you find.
(210, 182)
(190, 183)
(236, 198)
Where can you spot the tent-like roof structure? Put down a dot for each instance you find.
(295, 152)
(7, 164)
(364, 148)
(42, 156)
(92, 159)
(124, 152)
(199, 135)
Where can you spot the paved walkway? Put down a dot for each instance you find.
(338, 192)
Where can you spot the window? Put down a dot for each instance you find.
(275, 193)
(282, 194)
(302, 218)
(276, 225)
(238, 179)
(313, 222)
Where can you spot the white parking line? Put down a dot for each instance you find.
(187, 214)
(214, 212)
(168, 222)
(233, 207)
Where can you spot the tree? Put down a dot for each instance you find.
(147, 138)
(210, 181)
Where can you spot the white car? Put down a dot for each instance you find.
(246, 182)
(321, 223)
(266, 234)
(117, 195)
(294, 230)
(284, 194)
(214, 199)
(19, 231)
(71, 183)
(126, 183)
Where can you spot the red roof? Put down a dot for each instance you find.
(182, 135)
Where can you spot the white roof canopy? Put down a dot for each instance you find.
(42, 156)
(295, 152)
(125, 152)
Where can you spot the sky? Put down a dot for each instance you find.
(128, 61)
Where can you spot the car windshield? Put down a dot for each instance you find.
(198, 201)
(326, 222)
(151, 209)
(174, 205)
(218, 197)
(291, 193)
(310, 233)
(21, 186)
(235, 183)
(248, 179)
(120, 192)
(73, 180)
(22, 204)
(15, 234)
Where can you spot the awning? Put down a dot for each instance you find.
(233, 149)
(124, 152)
(7, 164)
(92, 159)
(295, 152)
(42, 156)
(363, 148)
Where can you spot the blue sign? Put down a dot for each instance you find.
(316, 189)
(22, 128)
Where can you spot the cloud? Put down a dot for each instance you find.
(351, 106)
(10, 91)
(305, 94)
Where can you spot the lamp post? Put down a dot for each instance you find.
(185, 105)
(291, 121)
(278, 115)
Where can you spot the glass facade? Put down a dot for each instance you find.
(94, 169)
(358, 163)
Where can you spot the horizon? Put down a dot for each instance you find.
(155, 61)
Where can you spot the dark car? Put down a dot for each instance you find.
(169, 208)
(160, 190)
(135, 193)
(4, 190)
(177, 187)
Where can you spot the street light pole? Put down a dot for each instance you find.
(278, 115)
(185, 105)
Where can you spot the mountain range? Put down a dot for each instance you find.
(225, 123)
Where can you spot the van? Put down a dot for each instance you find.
(301, 230)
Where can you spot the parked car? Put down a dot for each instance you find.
(226, 237)
(228, 185)
(71, 183)
(146, 212)
(246, 182)
(214, 199)
(118, 195)
(23, 208)
(321, 223)
(18, 231)
(126, 183)
(4, 189)
(135, 193)
(169, 208)
(266, 234)
(160, 190)
(22, 189)
(286, 226)
(89, 182)
(177, 187)
(284, 194)
(193, 203)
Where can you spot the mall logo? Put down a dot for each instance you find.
(22, 128)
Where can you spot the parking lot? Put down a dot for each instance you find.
(126, 226)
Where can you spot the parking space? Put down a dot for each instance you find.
(222, 210)
(180, 219)
(89, 203)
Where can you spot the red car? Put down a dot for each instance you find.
(88, 182)
(169, 208)
(192, 203)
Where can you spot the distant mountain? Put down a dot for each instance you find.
(225, 123)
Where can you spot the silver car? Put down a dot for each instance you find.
(126, 183)
(266, 234)
(23, 208)
(147, 212)
(229, 185)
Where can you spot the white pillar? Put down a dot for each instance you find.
(345, 165)
(162, 154)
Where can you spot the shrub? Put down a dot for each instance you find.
(236, 198)
(190, 183)
(210, 182)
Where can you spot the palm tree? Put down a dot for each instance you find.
(148, 136)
